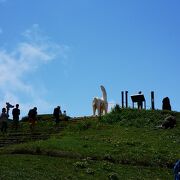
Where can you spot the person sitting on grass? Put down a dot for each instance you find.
(32, 116)
(4, 120)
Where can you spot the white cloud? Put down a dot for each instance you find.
(3, 1)
(25, 58)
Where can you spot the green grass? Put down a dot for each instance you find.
(43, 168)
(130, 147)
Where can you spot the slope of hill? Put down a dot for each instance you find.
(125, 144)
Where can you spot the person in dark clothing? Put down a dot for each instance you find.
(57, 113)
(4, 120)
(16, 113)
(140, 103)
(32, 116)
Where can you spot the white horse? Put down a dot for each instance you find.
(100, 104)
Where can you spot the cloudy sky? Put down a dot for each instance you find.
(59, 52)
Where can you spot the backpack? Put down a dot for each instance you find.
(56, 112)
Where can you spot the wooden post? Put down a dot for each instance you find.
(126, 99)
(152, 100)
(122, 98)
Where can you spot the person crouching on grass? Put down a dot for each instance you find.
(4, 120)
(32, 116)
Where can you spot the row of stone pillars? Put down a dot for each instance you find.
(126, 98)
(125, 105)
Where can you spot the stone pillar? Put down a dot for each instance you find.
(152, 100)
(122, 98)
(126, 92)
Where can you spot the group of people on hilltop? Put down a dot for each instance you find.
(5, 115)
(32, 117)
(57, 113)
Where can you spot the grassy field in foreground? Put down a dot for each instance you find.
(44, 167)
(130, 147)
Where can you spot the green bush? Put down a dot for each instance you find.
(116, 109)
(80, 164)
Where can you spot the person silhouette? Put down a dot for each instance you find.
(4, 120)
(16, 113)
(32, 116)
(140, 103)
(56, 113)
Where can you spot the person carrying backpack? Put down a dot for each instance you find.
(32, 116)
(56, 113)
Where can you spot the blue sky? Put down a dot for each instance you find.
(59, 52)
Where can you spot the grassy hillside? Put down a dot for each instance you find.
(125, 144)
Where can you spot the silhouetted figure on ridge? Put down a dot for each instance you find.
(64, 116)
(4, 120)
(32, 116)
(56, 113)
(140, 103)
(16, 113)
(64, 113)
(166, 104)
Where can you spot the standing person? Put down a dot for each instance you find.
(65, 117)
(4, 120)
(140, 103)
(16, 113)
(64, 113)
(32, 116)
(56, 113)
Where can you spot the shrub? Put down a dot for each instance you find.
(116, 109)
(107, 166)
(81, 164)
(89, 171)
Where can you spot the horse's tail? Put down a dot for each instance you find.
(104, 93)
